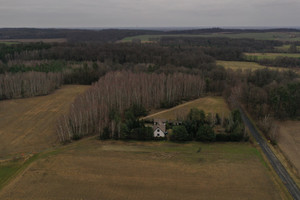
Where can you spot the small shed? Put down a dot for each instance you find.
(159, 128)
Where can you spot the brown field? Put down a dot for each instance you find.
(54, 40)
(289, 142)
(208, 104)
(92, 169)
(28, 125)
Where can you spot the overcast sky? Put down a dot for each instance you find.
(148, 13)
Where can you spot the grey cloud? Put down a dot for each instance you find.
(122, 13)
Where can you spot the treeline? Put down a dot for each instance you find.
(272, 92)
(280, 61)
(28, 84)
(267, 95)
(243, 45)
(201, 127)
(72, 35)
(123, 53)
(16, 66)
(112, 35)
(104, 104)
(7, 51)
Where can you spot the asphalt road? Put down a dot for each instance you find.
(276, 164)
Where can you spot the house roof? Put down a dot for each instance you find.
(161, 124)
(161, 127)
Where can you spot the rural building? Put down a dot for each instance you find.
(159, 128)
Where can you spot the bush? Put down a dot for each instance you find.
(236, 137)
(180, 133)
(222, 137)
(145, 133)
(206, 134)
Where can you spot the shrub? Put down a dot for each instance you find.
(206, 134)
(144, 133)
(222, 137)
(180, 133)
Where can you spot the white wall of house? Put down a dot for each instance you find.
(158, 133)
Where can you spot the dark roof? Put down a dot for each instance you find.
(161, 124)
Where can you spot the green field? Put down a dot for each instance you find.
(282, 36)
(8, 42)
(285, 48)
(240, 65)
(260, 56)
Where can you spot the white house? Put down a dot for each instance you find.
(159, 128)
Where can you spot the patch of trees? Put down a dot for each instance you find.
(268, 95)
(7, 52)
(201, 127)
(116, 92)
(225, 53)
(111, 35)
(243, 45)
(236, 31)
(73, 35)
(28, 84)
(128, 126)
(280, 61)
(125, 53)
(274, 93)
(37, 66)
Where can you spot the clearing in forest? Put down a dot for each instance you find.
(260, 56)
(242, 65)
(28, 125)
(93, 169)
(211, 105)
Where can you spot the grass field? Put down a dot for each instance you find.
(16, 41)
(240, 65)
(285, 48)
(289, 142)
(208, 104)
(28, 125)
(260, 56)
(8, 42)
(282, 36)
(92, 169)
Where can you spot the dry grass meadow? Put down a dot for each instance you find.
(93, 169)
(208, 104)
(28, 125)
(289, 142)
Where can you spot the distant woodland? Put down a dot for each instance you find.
(159, 74)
